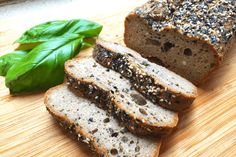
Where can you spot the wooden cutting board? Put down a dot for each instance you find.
(207, 129)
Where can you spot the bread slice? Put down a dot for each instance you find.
(95, 127)
(188, 37)
(157, 83)
(114, 93)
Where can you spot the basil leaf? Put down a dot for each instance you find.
(43, 67)
(55, 29)
(27, 47)
(8, 60)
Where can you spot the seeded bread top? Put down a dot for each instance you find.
(162, 75)
(213, 21)
(127, 99)
(98, 127)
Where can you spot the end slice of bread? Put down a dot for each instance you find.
(95, 127)
(182, 35)
(160, 85)
(109, 90)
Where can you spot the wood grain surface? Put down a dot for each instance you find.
(207, 129)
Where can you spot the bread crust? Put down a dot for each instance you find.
(70, 127)
(104, 99)
(166, 97)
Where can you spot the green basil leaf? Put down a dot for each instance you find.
(27, 47)
(55, 29)
(43, 67)
(8, 60)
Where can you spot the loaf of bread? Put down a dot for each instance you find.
(155, 82)
(114, 93)
(187, 36)
(94, 127)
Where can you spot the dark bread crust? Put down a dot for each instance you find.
(105, 100)
(217, 47)
(141, 80)
(76, 130)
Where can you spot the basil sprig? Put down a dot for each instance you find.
(57, 29)
(43, 66)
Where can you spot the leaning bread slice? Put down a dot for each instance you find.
(155, 82)
(110, 91)
(93, 126)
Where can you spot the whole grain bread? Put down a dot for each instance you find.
(155, 82)
(95, 127)
(188, 37)
(110, 91)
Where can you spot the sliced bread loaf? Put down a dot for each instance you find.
(157, 83)
(114, 93)
(94, 127)
(187, 36)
